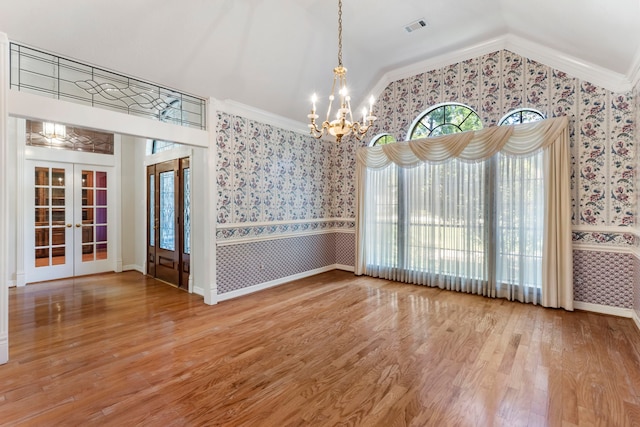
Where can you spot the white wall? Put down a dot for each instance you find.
(133, 201)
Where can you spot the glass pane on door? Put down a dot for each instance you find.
(167, 211)
(49, 222)
(94, 215)
(187, 210)
(152, 211)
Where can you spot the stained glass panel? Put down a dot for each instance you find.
(167, 211)
(152, 212)
(187, 210)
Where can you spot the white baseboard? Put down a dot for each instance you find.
(21, 279)
(636, 318)
(133, 267)
(350, 268)
(267, 285)
(4, 349)
(603, 309)
(198, 290)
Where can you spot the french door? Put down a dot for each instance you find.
(168, 219)
(67, 231)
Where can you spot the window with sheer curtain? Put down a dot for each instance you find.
(440, 214)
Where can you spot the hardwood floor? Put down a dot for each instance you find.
(333, 349)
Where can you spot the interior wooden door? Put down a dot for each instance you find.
(167, 246)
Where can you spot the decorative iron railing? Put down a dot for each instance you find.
(50, 75)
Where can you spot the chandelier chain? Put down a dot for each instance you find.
(343, 124)
(340, 33)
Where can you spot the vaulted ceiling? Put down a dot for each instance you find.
(273, 54)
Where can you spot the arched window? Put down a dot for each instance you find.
(445, 119)
(383, 138)
(522, 115)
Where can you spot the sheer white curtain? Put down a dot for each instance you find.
(484, 212)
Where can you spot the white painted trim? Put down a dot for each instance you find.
(266, 285)
(603, 248)
(634, 70)
(165, 156)
(440, 61)
(37, 107)
(603, 309)
(21, 280)
(208, 259)
(636, 318)
(583, 70)
(277, 223)
(5, 185)
(245, 240)
(133, 267)
(343, 267)
(198, 290)
(45, 154)
(21, 133)
(604, 229)
(4, 349)
(117, 204)
(252, 113)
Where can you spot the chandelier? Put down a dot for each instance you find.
(343, 124)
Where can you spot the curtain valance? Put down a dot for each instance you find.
(515, 140)
(551, 136)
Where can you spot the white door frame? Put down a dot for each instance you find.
(72, 157)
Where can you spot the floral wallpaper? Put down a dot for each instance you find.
(266, 174)
(602, 123)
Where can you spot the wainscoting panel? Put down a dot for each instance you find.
(346, 249)
(636, 286)
(604, 278)
(249, 264)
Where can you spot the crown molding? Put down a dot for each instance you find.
(615, 82)
(634, 70)
(440, 61)
(583, 70)
(230, 106)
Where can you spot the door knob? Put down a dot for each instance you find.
(78, 225)
(68, 225)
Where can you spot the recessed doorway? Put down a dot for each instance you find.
(67, 231)
(169, 224)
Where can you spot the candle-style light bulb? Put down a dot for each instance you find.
(314, 98)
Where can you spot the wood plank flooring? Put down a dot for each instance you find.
(333, 349)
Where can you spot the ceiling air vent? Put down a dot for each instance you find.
(416, 25)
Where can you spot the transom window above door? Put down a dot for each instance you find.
(61, 137)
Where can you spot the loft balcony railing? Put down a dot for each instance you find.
(49, 75)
